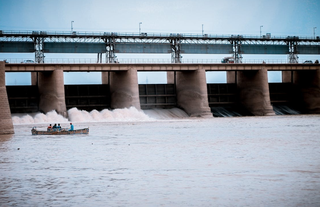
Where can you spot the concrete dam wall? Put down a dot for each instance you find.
(247, 87)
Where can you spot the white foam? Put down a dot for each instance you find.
(116, 115)
(50, 117)
(125, 114)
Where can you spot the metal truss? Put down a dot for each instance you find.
(111, 39)
(110, 48)
(175, 50)
(38, 47)
(293, 53)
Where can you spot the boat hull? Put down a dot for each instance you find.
(61, 132)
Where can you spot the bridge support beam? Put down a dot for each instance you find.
(124, 89)
(51, 91)
(105, 77)
(287, 76)
(231, 76)
(192, 94)
(254, 91)
(6, 125)
(170, 77)
(34, 78)
(308, 85)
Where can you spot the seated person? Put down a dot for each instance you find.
(54, 128)
(59, 127)
(49, 128)
(71, 127)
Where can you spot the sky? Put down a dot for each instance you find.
(245, 17)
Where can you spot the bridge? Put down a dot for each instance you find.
(176, 44)
(98, 67)
(247, 86)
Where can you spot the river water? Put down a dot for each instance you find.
(162, 158)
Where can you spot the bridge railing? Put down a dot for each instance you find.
(142, 34)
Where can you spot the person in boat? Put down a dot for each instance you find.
(71, 127)
(54, 128)
(59, 127)
(49, 128)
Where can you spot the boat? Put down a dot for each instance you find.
(34, 131)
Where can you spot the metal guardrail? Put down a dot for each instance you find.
(145, 34)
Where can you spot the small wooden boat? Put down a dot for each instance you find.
(34, 131)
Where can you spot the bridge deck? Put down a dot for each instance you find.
(101, 67)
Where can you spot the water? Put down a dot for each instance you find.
(163, 159)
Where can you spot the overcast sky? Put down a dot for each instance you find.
(278, 17)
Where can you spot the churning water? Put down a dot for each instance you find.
(162, 158)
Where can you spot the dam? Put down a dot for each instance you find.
(247, 87)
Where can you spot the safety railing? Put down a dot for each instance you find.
(148, 34)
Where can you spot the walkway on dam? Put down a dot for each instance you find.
(104, 67)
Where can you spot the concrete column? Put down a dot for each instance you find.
(308, 95)
(105, 77)
(192, 93)
(124, 89)
(254, 92)
(51, 91)
(34, 78)
(170, 77)
(6, 125)
(286, 76)
(231, 76)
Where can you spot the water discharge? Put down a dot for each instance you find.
(119, 115)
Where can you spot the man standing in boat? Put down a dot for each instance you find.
(71, 127)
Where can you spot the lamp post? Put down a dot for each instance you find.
(72, 26)
(140, 27)
(202, 29)
(314, 32)
(260, 29)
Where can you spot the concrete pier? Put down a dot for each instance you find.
(307, 84)
(105, 77)
(6, 126)
(34, 78)
(124, 89)
(231, 76)
(170, 77)
(192, 92)
(254, 91)
(51, 91)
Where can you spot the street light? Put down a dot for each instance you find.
(72, 26)
(202, 29)
(140, 27)
(260, 29)
(314, 32)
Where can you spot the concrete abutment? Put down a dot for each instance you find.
(6, 126)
